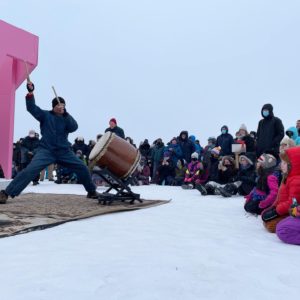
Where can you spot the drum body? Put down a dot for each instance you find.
(115, 154)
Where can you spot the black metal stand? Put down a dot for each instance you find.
(124, 193)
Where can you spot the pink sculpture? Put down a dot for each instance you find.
(17, 47)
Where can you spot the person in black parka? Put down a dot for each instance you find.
(270, 132)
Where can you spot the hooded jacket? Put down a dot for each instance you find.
(291, 188)
(295, 137)
(270, 132)
(225, 141)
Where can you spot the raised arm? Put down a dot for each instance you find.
(32, 108)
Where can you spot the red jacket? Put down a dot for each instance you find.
(290, 189)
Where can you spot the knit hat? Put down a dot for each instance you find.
(31, 133)
(250, 162)
(216, 150)
(113, 120)
(195, 155)
(267, 161)
(243, 127)
(287, 141)
(55, 102)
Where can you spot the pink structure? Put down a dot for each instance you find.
(16, 47)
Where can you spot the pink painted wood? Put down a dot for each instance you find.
(16, 46)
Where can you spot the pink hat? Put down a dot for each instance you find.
(113, 120)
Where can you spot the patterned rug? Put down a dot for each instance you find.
(33, 211)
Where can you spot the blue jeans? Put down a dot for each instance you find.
(44, 158)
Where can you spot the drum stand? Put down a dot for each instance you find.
(124, 193)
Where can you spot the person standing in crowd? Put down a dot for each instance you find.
(225, 140)
(79, 144)
(298, 126)
(29, 148)
(186, 145)
(115, 129)
(173, 150)
(246, 139)
(270, 132)
(292, 133)
(145, 149)
(157, 153)
(54, 147)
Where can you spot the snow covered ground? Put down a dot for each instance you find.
(192, 248)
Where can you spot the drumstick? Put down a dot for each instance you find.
(27, 72)
(55, 94)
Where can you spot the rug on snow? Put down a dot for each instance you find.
(35, 211)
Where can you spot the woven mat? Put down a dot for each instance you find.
(33, 211)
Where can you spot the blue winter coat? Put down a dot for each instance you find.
(54, 128)
(295, 135)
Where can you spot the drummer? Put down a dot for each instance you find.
(115, 129)
(54, 147)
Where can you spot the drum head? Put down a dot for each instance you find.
(100, 147)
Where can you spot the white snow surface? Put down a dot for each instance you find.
(195, 247)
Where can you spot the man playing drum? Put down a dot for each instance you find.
(54, 147)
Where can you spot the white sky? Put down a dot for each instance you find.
(162, 66)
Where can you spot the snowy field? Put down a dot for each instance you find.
(192, 248)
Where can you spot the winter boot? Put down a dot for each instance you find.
(210, 189)
(3, 197)
(228, 190)
(224, 192)
(201, 189)
(187, 186)
(93, 195)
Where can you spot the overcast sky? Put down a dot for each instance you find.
(162, 66)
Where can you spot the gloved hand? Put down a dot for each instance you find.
(30, 87)
(269, 214)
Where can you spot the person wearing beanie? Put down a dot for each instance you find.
(225, 140)
(264, 194)
(289, 189)
(270, 132)
(286, 143)
(193, 172)
(244, 181)
(245, 138)
(115, 129)
(54, 147)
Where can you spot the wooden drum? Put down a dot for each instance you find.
(115, 154)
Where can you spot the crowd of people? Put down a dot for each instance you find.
(262, 166)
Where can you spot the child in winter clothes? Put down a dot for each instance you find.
(226, 174)
(143, 172)
(289, 189)
(244, 182)
(286, 143)
(288, 230)
(193, 172)
(265, 192)
(180, 171)
(166, 172)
